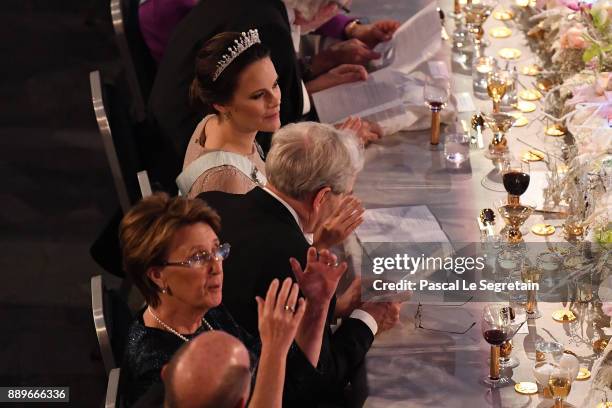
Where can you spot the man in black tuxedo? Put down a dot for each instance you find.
(310, 167)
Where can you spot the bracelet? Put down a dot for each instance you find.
(350, 26)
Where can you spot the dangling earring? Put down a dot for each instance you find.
(227, 115)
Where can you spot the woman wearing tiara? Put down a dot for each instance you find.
(237, 85)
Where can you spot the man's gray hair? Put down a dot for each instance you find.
(308, 8)
(307, 156)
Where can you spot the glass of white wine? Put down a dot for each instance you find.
(497, 83)
(436, 93)
(560, 383)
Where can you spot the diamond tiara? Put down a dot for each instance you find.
(245, 41)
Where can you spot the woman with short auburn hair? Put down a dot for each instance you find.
(173, 255)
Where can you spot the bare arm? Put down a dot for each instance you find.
(318, 283)
(277, 328)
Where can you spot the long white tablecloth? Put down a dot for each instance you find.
(410, 367)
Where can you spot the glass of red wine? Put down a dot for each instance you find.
(515, 176)
(496, 325)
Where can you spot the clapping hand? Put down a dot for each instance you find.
(320, 278)
(365, 130)
(349, 300)
(347, 217)
(386, 314)
(280, 315)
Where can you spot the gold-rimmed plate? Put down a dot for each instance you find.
(583, 374)
(526, 388)
(500, 32)
(509, 53)
(530, 94)
(543, 230)
(526, 106)
(520, 120)
(563, 316)
(503, 14)
(531, 70)
(555, 130)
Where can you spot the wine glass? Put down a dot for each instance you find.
(515, 176)
(560, 383)
(499, 123)
(476, 13)
(496, 327)
(531, 274)
(518, 317)
(497, 84)
(436, 93)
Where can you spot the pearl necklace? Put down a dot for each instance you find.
(171, 330)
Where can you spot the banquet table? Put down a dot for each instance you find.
(409, 367)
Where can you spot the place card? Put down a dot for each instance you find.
(465, 103)
(438, 69)
(500, 32)
(509, 53)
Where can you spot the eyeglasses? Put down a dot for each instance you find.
(200, 259)
(418, 324)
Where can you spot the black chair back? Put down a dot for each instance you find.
(112, 319)
(138, 64)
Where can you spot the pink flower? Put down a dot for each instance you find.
(573, 5)
(606, 308)
(573, 38)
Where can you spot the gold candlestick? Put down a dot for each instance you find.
(435, 127)
(494, 372)
(513, 199)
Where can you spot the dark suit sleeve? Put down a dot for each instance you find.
(343, 352)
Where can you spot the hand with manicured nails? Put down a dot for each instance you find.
(319, 280)
(280, 315)
(334, 230)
